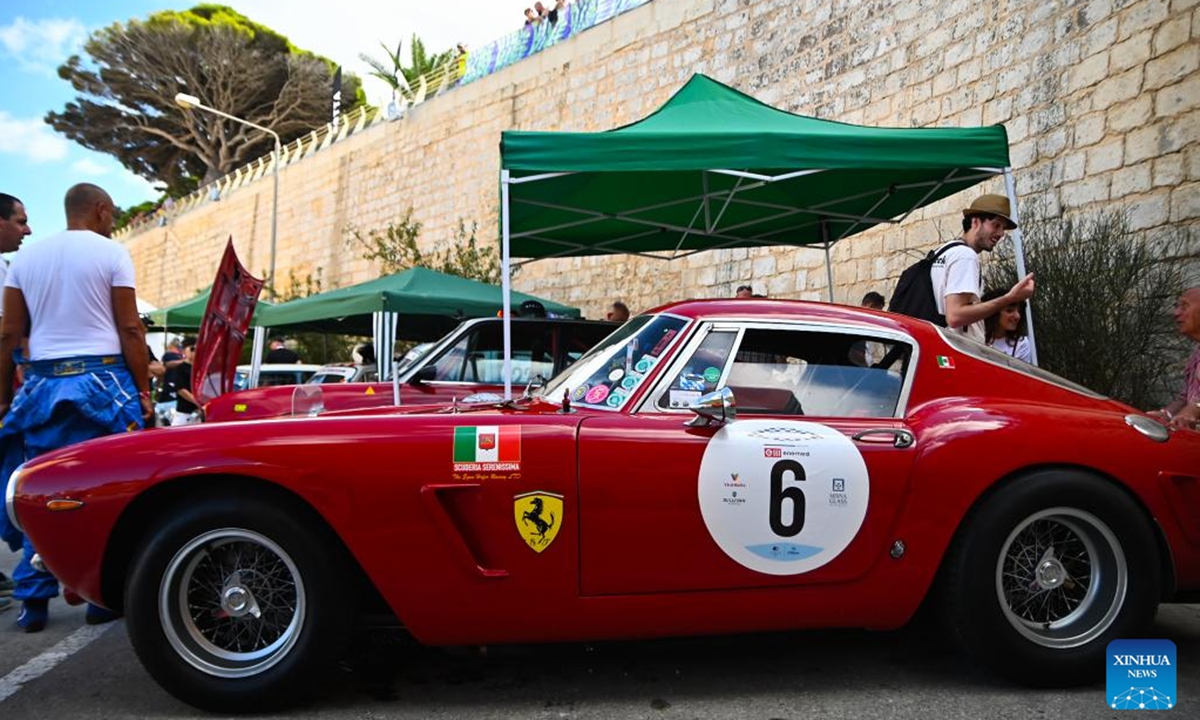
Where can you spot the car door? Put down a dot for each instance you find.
(803, 487)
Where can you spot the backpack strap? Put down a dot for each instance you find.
(942, 250)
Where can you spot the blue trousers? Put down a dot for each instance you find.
(63, 402)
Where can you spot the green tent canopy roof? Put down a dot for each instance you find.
(715, 168)
(188, 314)
(429, 303)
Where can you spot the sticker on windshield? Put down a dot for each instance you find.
(596, 395)
(579, 392)
(782, 497)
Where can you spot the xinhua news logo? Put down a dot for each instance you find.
(1141, 675)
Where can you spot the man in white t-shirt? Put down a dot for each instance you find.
(87, 371)
(956, 276)
(14, 226)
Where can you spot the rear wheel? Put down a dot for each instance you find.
(1046, 572)
(235, 605)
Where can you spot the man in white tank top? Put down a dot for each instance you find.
(87, 371)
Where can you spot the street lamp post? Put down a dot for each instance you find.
(188, 102)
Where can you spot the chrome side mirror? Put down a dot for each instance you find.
(717, 407)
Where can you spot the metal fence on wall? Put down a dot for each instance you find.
(492, 57)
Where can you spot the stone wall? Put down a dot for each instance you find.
(1101, 101)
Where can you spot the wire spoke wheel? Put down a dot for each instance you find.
(1061, 577)
(232, 603)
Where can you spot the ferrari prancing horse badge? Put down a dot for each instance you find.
(538, 515)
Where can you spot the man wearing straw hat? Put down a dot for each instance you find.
(956, 276)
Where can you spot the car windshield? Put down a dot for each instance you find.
(608, 374)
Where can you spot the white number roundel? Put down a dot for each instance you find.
(782, 497)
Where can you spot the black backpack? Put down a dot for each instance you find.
(914, 292)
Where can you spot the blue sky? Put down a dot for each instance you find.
(36, 36)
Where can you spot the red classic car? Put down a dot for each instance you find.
(467, 362)
(711, 467)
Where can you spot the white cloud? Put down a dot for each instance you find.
(88, 166)
(31, 139)
(41, 45)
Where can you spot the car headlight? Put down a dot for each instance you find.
(10, 494)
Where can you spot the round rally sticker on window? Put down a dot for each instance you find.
(780, 497)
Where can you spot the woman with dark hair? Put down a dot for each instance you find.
(1006, 329)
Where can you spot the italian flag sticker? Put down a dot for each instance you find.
(945, 362)
(487, 447)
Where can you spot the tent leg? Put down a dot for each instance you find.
(506, 282)
(256, 354)
(1019, 253)
(828, 259)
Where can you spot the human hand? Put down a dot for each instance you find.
(1023, 290)
(147, 411)
(1188, 418)
(1162, 415)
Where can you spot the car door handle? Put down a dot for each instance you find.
(898, 437)
(441, 518)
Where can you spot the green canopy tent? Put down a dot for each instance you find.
(715, 168)
(187, 315)
(417, 304)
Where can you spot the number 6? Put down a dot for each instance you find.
(780, 494)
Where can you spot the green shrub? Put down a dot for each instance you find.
(1102, 312)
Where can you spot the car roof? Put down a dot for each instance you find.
(766, 309)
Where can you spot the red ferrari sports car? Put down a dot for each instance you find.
(711, 467)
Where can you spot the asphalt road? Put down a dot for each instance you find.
(70, 670)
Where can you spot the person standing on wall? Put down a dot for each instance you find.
(87, 374)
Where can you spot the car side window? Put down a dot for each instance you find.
(808, 372)
(702, 373)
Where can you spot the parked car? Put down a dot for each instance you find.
(711, 467)
(274, 374)
(465, 364)
(344, 372)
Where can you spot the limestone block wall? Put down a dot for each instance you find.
(1101, 100)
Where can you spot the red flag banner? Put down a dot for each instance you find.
(223, 330)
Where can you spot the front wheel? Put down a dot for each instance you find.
(1046, 572)
(235, 605)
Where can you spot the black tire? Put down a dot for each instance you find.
(1045, 572)
(236, 604)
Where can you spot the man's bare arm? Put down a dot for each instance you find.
(960, 310)
(12, 334)
(133, 336)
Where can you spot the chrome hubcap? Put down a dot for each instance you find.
(1061, 577)
(232, 603)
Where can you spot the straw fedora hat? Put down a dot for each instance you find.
(992, 205)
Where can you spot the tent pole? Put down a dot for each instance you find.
(260, 342)
(506, 282)
(828, 260)
(1019, 252)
